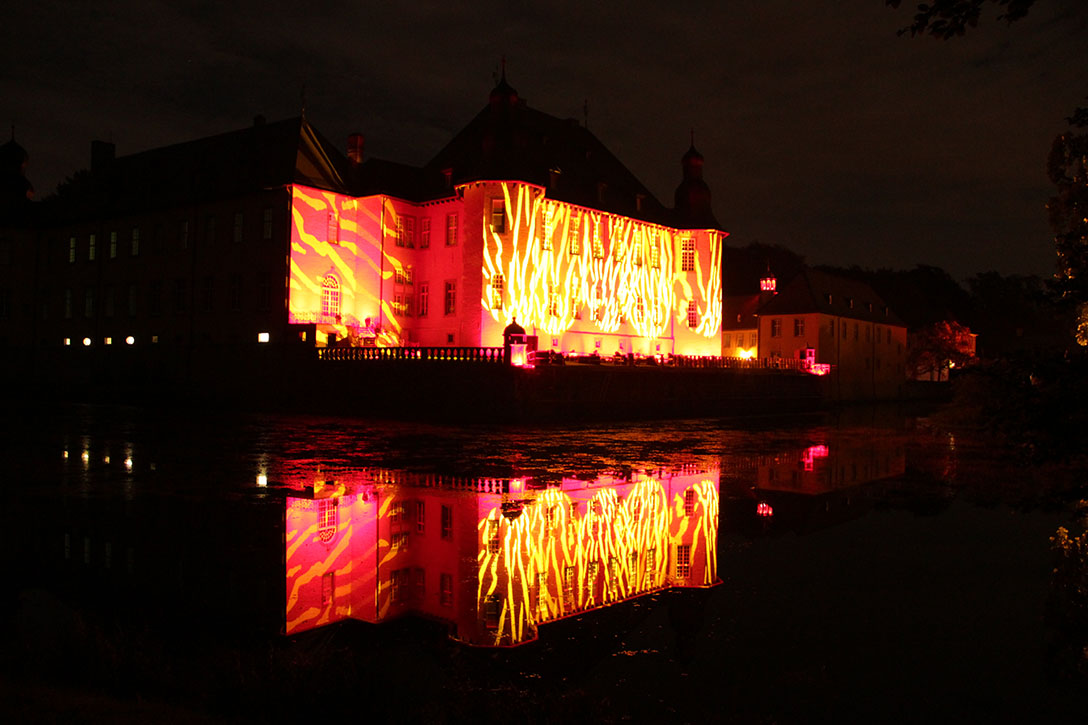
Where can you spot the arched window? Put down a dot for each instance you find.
(330, 297)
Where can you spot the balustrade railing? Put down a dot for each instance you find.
(453, 354)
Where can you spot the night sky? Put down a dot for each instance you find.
(822, 130)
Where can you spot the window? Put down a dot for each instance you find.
(831, 327)
(868, 333)
(683, 561)
(107, 301)
(92, 245)
(727, 340)
(409, 231)
(424, 301)
(689, 502)
(655, 253)
(207, 294)
(209, 230)
(575, 233)
(638, 253)
(420, 584)
(266, 224)
(326, 519)
(598, 243)
(687, 254)
(492, 609)
(447, 522)
(424, 232)
(450, 302)
(754, 339)
(154, 297)
(498, 215)
(236, 292)
(71, 250)
(493, 545)
(553, 301)
(113, 245)
(239, 220)
(181, 295)
(88, 302)
(400, 307)
(135, 245)
(132, 299)
(798, 327)
(330, 297)
(693, 314)
(398, 582)
(400, 540)
(445, 583)
(497, 286)
(399, 236)
(451, 230)
(328, 587)
(640, 309)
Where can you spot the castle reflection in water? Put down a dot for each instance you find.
(492, 558)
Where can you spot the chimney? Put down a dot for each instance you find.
(356, 141)
(102, 153)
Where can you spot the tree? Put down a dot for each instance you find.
(939, 347)
(946, 19)
(1067, 168)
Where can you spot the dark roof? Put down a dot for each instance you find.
(378, 176)
(739, 312)
(517, 142)
(263, 156)
(816, 291)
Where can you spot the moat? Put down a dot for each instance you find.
(857, 565)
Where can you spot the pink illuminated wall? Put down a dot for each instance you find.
(493, 559)
(382, 271)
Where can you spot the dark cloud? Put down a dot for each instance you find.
(822, 129)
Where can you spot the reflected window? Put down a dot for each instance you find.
(326, 519)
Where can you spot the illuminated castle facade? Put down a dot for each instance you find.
(522, 216)
(163, 264)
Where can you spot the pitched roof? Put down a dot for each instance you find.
(263, 156)
(739, 312)
(517, 142)
(816, 291)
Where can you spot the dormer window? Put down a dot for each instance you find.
(448, 174)
(640, 199)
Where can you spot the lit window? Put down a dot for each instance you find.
(683, 561)
(575, 233)
(424, 232)
(108, 340)
(451, 230)
(71, 250)
(450, 306)
(262, 337)
(497, 285)
(67, 341)
(598, 243)
(687, 254)
(498, 215)
(655, 253)
(330, 297)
